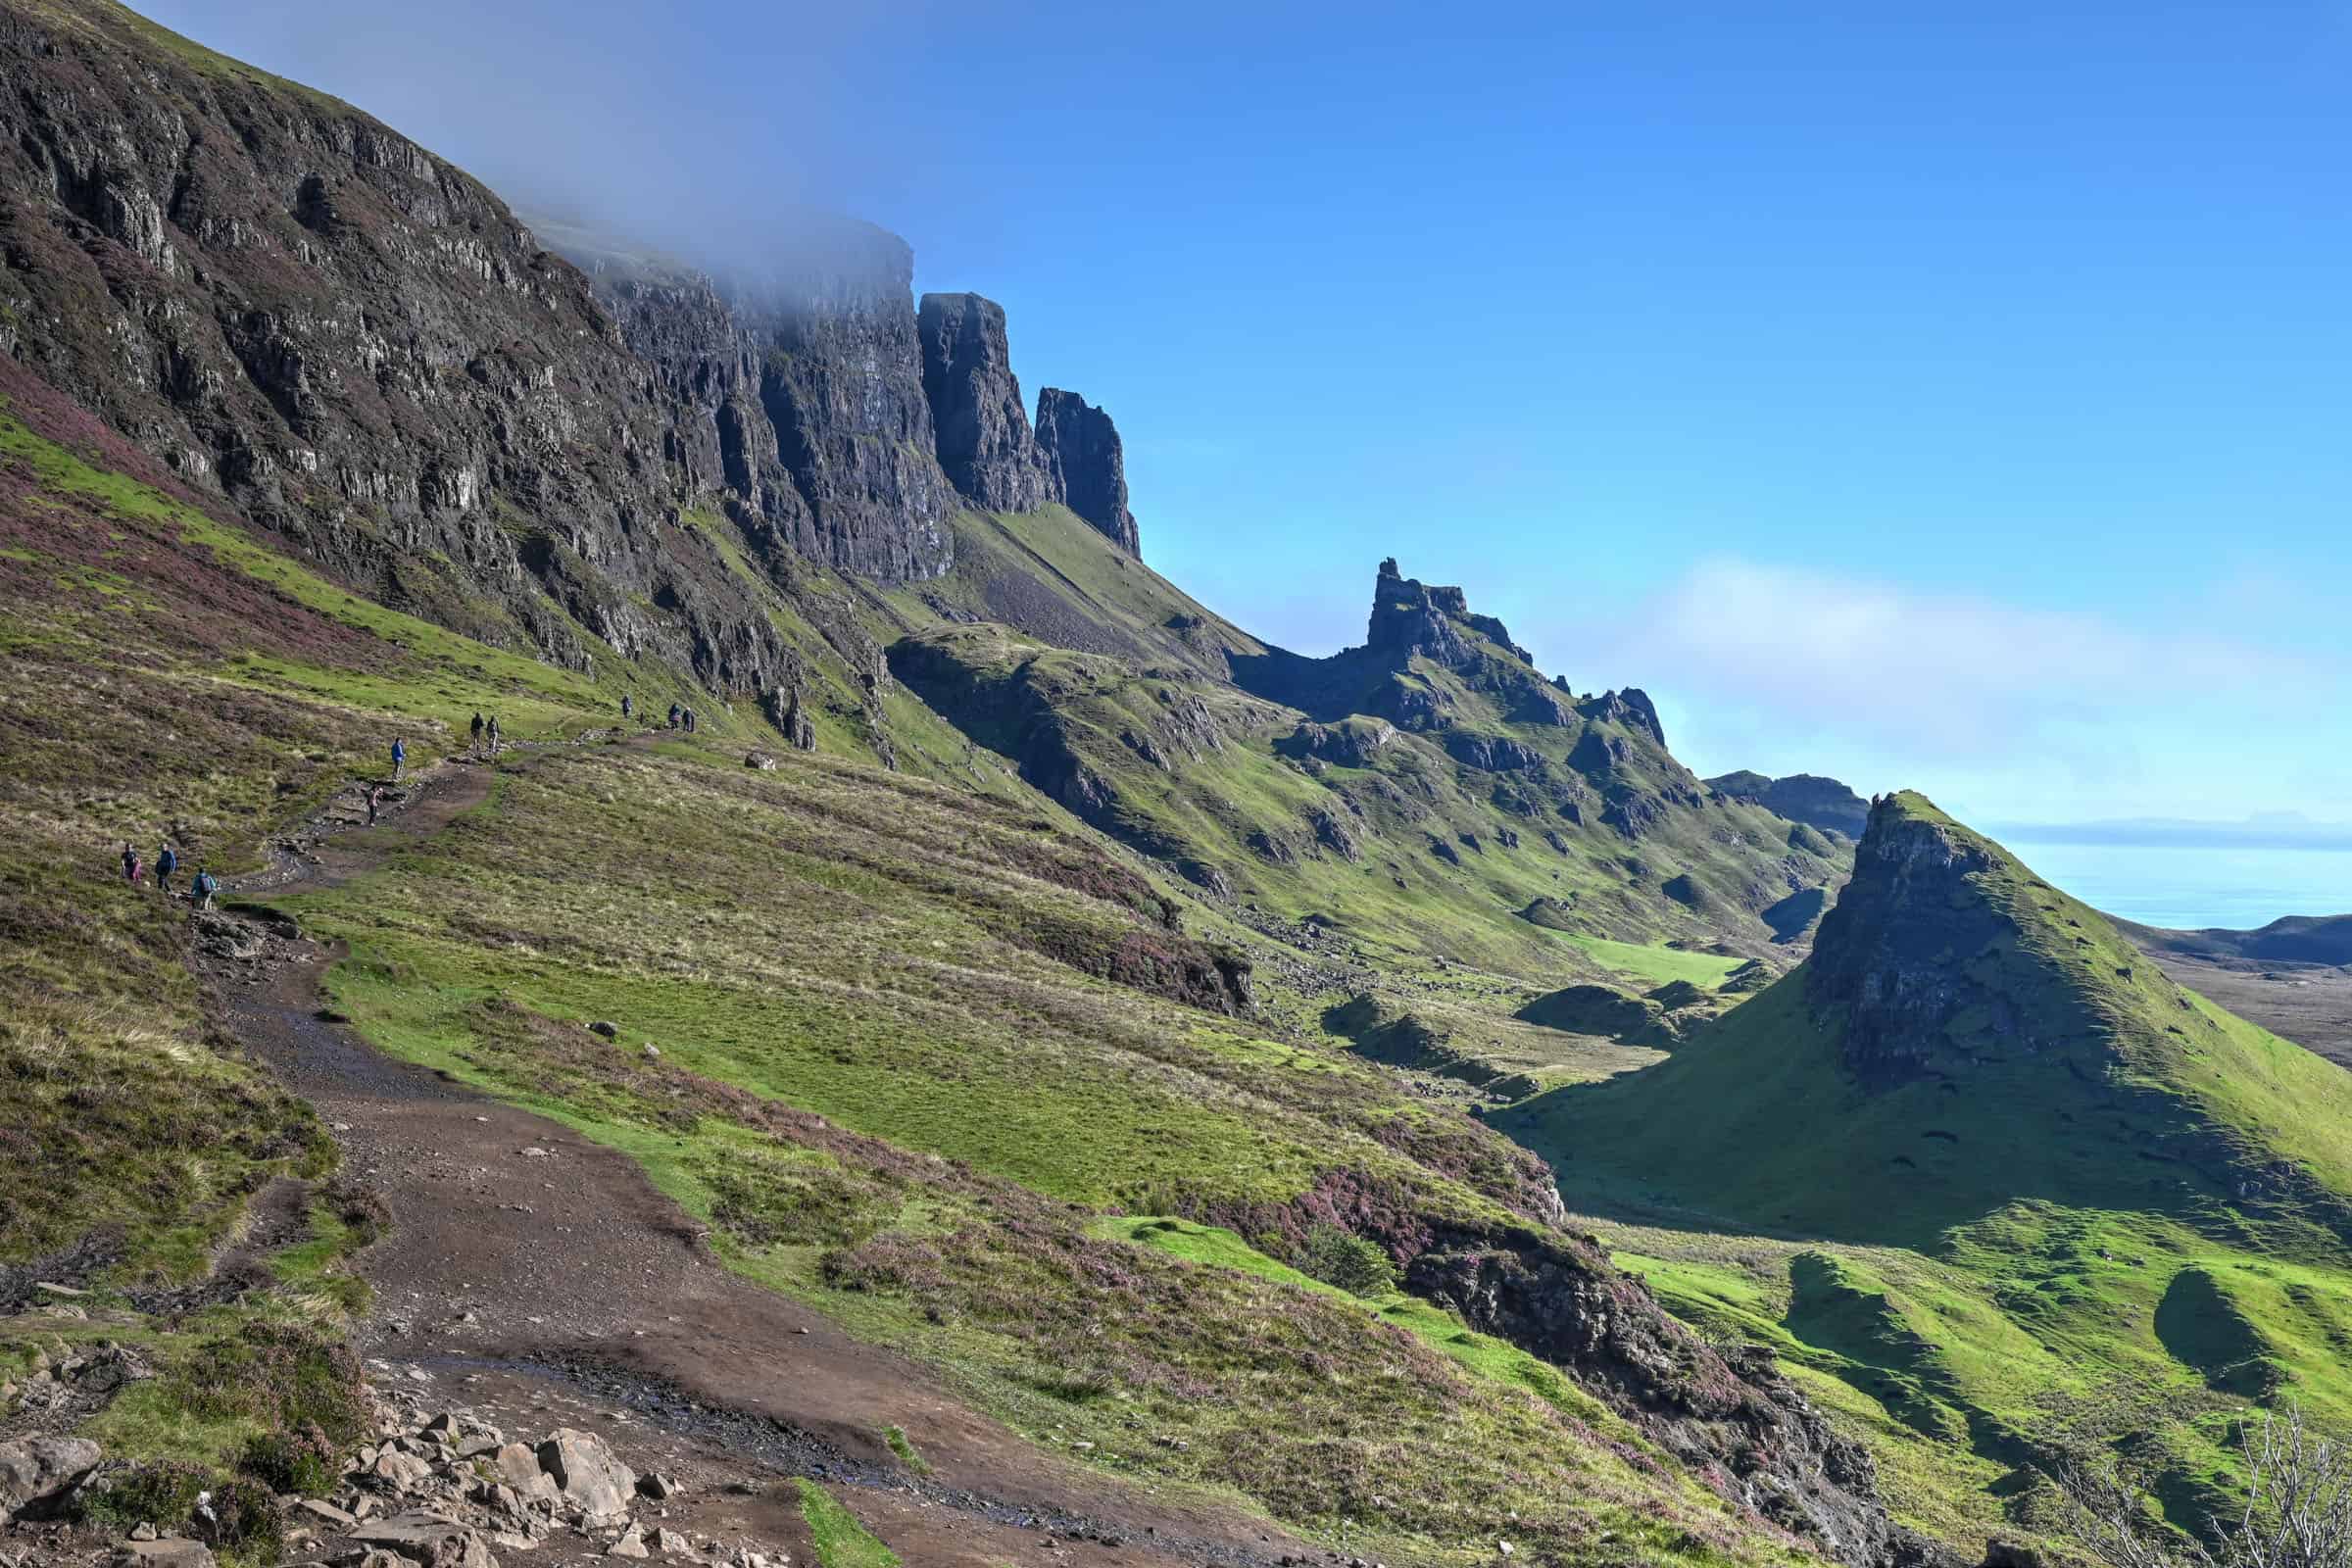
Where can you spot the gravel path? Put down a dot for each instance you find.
(530, 1273)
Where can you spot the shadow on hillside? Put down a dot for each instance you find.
(1753, 1126)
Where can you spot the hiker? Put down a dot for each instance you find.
(130, 864)
(690, 721)
(627, 705)
(207, 885)
(494, 735)
(166, 861)
(675, 712)
(376, 799)
(477, 732)
(400, 756)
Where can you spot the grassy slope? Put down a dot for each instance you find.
(169, 678)
(829, 938)
(1117, 654)
(850, 944)
(2015, 1257)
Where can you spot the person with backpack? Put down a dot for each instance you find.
(166, 861)
(628, 704)
(494, 741)
(477, 732)
(130, 864)
(400, 756)
(689, 721)
(675, 712)
(206, 886)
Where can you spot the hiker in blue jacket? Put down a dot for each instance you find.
(206, 886)
(166, 861)
(400, 754)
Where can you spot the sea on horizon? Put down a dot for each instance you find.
(2196, 887)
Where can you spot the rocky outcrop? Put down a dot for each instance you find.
(1630, 709)
(1920, 963)
(1806, 798)
(1086, 464)
(1728, 1414)
(1410, 616)
(841, 380)
(334, 335)
(984, 440)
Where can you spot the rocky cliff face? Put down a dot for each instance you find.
(830, 321)
(985, 443)
(357, 345)
(1087, 464)
(797, 391)
(361, 348)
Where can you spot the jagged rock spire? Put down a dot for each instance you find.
(984, 440)
(1086, 464)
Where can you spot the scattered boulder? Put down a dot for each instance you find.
(428, 1540)
(761, 760)
(518, 1466)
(37, 1471)
(586, 1474)
(606, 1027)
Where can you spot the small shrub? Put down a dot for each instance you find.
(303, 1463)
(1358, 1266)
(160, 1494)
(279, 1375)
(362, 1209)
(244, 1525)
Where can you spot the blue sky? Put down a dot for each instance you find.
(1945, 395)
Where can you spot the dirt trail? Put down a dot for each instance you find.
(535, 1275)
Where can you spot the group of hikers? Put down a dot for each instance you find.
(167, 866)
(207, 885)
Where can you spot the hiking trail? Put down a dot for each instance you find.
(541, 1279)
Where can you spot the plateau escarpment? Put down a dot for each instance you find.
(353, 343)
(796, 389)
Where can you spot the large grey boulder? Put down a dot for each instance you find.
(428, 1540)
(35, 1471)
(584, 1470)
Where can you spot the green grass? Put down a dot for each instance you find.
(981, 1102)
(2019, 1253)
(904, 1446)
(841, 1541)
(1656, 964)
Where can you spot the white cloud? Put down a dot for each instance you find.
(1787, 669)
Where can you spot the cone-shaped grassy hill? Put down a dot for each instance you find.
(1964, 1036)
